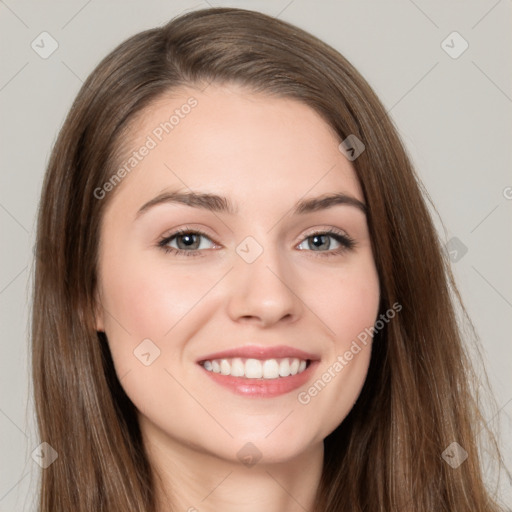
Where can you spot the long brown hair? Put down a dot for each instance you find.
(420, 394)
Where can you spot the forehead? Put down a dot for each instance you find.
(230, 141)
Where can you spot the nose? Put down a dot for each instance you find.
(263, 292)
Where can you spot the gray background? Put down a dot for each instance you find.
(454, 115)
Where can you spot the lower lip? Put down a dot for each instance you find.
(265, 388)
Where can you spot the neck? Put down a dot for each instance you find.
(190, 479)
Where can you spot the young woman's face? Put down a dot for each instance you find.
(266, 271)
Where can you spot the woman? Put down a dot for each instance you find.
(240, 299)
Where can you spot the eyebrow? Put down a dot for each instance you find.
(219, 204)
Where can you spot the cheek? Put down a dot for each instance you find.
(347, 300)
(147, 298)
(144, 299)
(349, 307)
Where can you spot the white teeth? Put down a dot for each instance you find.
(270, 369)
(237, 367)
(253, 369)
(225, 367)
(284, 368)
(256, 369)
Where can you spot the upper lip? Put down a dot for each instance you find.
(259, 352)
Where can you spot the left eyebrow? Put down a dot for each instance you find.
(216, 203)
(327, 201)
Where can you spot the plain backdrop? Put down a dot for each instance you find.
(448, 94)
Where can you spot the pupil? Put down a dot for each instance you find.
(317, 238)
(187, 239)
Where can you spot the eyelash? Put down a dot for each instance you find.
(347, 243)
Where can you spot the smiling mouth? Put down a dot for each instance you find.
(251, 369)
(261, 378)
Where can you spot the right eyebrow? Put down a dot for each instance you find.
(210, 202)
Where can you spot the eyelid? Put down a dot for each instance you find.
(347, 242)
(323, 229)
(171, 233)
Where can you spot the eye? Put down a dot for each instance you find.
(188, 242)
(321, 242)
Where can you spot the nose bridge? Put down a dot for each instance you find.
(261, 284)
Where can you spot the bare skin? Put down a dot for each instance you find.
(264, 154)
